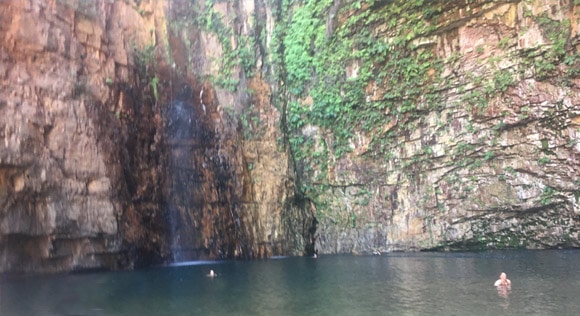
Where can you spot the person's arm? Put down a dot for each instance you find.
(497, 283)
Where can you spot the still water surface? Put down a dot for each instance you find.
(544, 283)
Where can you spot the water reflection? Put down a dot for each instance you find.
(545, 283)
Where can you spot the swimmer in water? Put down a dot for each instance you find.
(503, 280)
(211, 274)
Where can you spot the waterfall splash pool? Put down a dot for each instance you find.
(544, 282)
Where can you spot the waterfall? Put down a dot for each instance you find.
(182, 132)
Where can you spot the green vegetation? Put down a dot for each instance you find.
(547, 195)
(357, 79)
(154, 82)
(504, 42)
(545, 61)
(543, 160)
(237, 50)
(146, 67)
(368, 73)
(145, 57)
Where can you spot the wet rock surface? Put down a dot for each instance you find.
(135, 133)
(500, 172)
(114, 156)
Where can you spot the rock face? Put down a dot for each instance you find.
(65, 194)
(457, 123)
(118, 151)
(142, 132)
(231, 192)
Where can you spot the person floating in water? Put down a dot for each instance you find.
(211, 274)
(503, 285)
(503, 281)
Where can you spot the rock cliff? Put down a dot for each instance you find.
(437, 124)
(143, 132)
(118, 151)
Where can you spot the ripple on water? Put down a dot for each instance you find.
(192, 263)
(543, 283)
